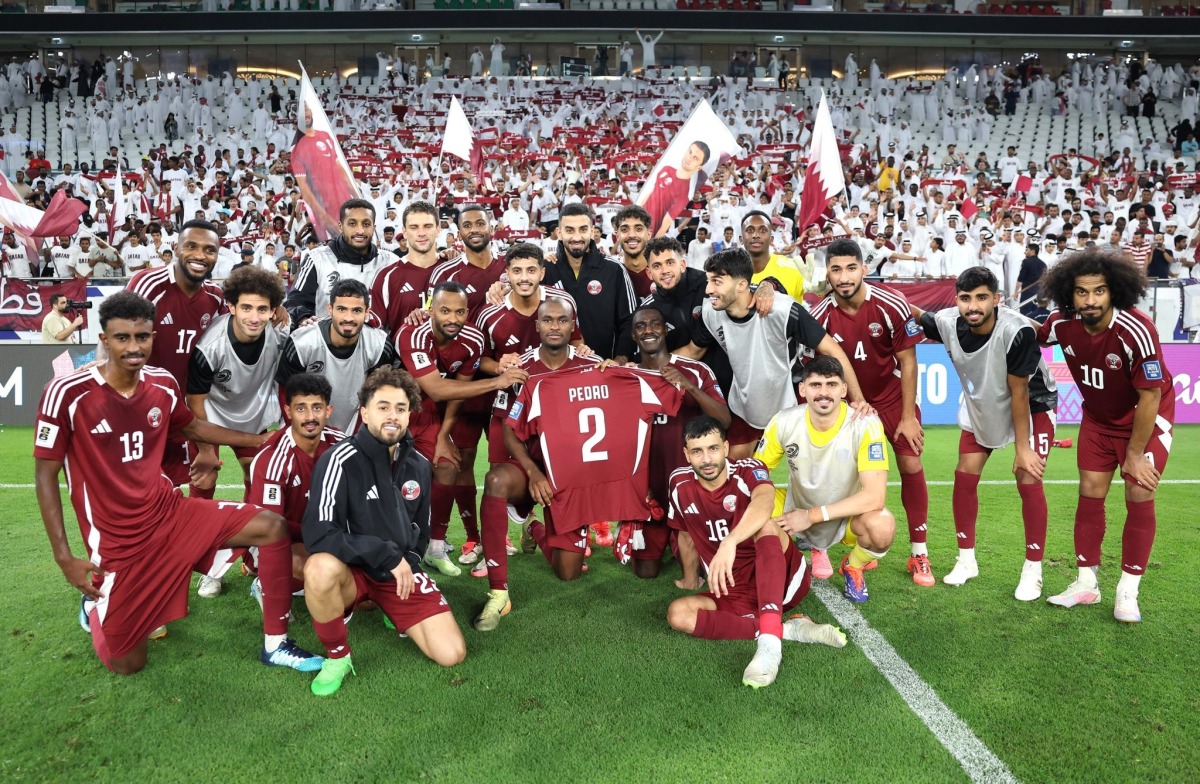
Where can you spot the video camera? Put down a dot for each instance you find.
(77, 305)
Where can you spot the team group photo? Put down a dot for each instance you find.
(557, 416)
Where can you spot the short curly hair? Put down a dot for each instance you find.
(254, 281)
(388, 376)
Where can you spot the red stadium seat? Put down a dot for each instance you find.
(681, 5)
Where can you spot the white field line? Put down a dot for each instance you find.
(976, 759)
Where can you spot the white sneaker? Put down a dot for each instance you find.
(1077, 593)
(803, 629)
(1126, 609)
(437, 559)
(763, 668)
(210, 587)
(963, 570)
(514, 518)
(1030, 586)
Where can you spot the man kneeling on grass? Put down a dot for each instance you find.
(722, 511)
(366, 529)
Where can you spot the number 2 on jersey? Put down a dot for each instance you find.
(591, 420)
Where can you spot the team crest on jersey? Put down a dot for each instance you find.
(696, 311)
(1153, 370)
(222, 377)
(454, 367)
(875, 452)
(204, 322)
(333, 278)
(316, 367)
(410, 490)
(791, 450)
(594, 287)
(154, 416)
(875, 328)
(912, 328)
(729, 502)
(1113, 362)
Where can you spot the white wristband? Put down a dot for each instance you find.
(824, 514)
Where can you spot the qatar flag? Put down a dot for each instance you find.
(459, 140)
(968, 209)
(823, 174)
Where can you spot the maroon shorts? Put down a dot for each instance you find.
(1104, 453)
(469, 428)
(151, 589)
(425, 438)
(425, 601)
(572, 541)
(743, 599)
(496, 451)
(741, 431)
(177, 460)
(890, 417)
(655, 537)
(1042, 437)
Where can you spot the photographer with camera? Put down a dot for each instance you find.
(58, 327)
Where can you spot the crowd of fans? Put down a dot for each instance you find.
(921, 198)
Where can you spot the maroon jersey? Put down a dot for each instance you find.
(398, 289)
(642, 285)
(532, 364)
(179, 320)
(281, 474)
(475, 280)
(112, 447)
(507, 330)
(421, 356)
(666, 437)
(1111, 367)
(882, 327)
(709, 515)
(594, 433)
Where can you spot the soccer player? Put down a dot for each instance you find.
(830, 493)
(1009, 397)
(722, 511)
(509, 329)
(878, 330)
(232, 368)
(769, 268)
(366, 526)
(476, 270)
(111, 423)
(280, 477)
(1115, 358)
(443, 355)
(351, 254)
(633, 232)
(510, 480)
(399, 289)
(648, 539)
(591, 435)
(761, 350)
(340, 347)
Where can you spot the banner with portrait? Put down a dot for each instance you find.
(702, 144)
(320, 167)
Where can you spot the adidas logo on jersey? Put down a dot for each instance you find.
(296, 481)
(372, 493)
(492, 564)
(1069, 351)
(691, 509)
(406, 288)
(512, 341)
(167, 319)
(103, 427)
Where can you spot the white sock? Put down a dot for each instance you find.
(437, 548)
(1087, 575)
(271, 642)
(966, 554)
(769, 643)
(1037, 565)
(1129, 582)
(920, 548)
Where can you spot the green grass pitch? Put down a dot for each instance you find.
(585, 682)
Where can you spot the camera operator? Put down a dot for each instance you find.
(58, 327)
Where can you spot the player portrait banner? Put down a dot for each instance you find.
(702, 144)
(320, 168)
(23, 305)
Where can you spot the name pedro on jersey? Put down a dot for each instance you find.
(590, 392)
